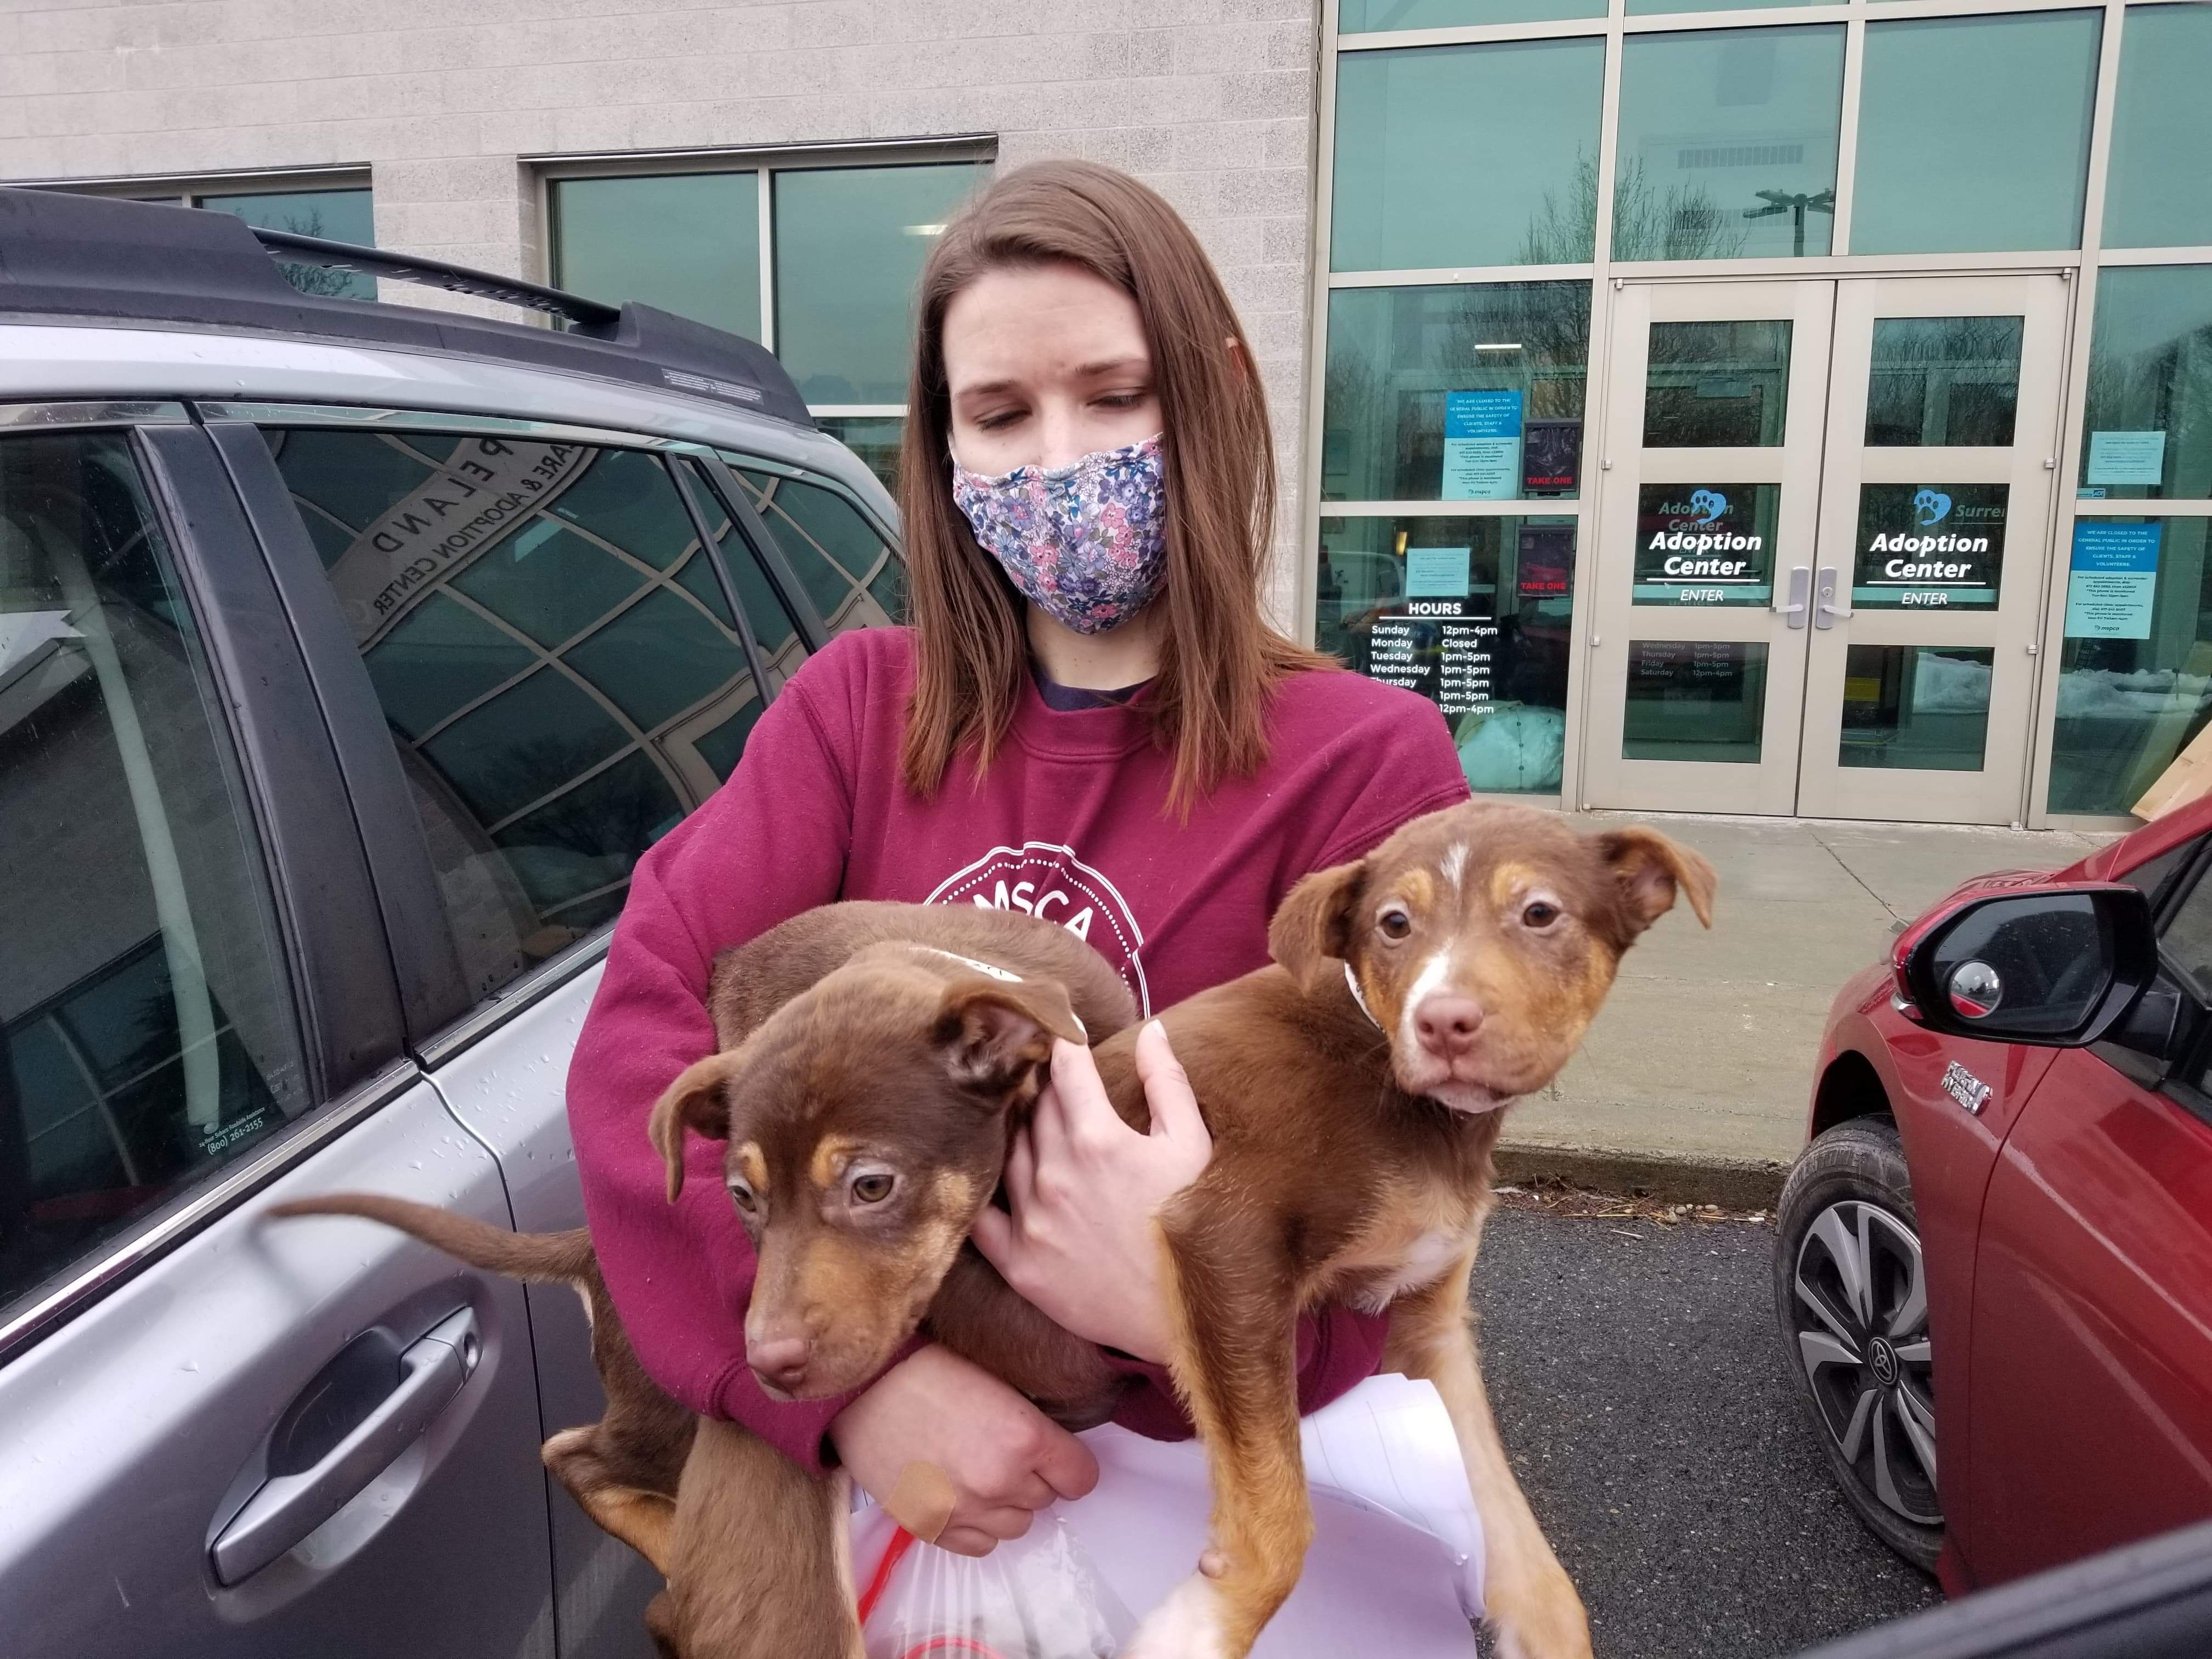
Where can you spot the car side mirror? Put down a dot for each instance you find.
(2053, 967)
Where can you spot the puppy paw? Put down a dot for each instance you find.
(1186, 1625)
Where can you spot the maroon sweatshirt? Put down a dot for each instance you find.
(1069, 825)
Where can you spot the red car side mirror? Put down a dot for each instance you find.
(2051, 967)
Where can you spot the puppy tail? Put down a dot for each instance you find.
(534, 1258)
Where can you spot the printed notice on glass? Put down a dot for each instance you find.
(1705, 544)
(1437, 649)
(2126, 458)
(1482, 446)
(1929, 546)
(2114, 580)
(1437, 573)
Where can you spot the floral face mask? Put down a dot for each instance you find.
(1086, 542)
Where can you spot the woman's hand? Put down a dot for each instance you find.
(1005, 1458)
(1081, 1242)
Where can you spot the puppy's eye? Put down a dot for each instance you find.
(1539, 914)
(872, 1187)
(743, 1197)
(1395, 923)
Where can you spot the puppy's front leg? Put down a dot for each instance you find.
(758, 1563)
(1235, 1362)
(1532, 1603)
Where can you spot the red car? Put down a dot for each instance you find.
(1994, 1263)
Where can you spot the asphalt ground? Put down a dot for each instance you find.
(1637, 1381)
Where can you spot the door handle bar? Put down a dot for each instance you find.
(1800, 586)
(1827, 613)
(288, 1507)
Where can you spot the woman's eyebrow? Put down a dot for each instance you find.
(1093, 371)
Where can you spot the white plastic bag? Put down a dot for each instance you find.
(1037, 1597)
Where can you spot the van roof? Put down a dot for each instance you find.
(95, 259)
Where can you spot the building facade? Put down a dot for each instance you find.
(1783, 410)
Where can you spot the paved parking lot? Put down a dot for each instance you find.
(1635, 1373)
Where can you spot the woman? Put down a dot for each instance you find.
(1090, 720)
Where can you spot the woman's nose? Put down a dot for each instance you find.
(1063, 440)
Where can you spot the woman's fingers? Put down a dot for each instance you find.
(993, 1233)
(1167, 1089)
(1085, 1112)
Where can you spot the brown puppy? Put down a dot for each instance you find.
(1349, 1091)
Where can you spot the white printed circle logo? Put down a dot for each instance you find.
(1047, 881)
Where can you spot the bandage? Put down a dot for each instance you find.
(921, 1500)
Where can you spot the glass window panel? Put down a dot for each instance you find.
(549, 581)
(874, 437)
(889, 591)
(440, 656)
(450, 528)
(1705, 544)
(1694, 700)
(586, 840)
(1727, 143)
(773, 627)
(1646, 7)
(1943, 381)
(829, 546)
(337, 215)
(2158, 191)
(657, 659)
(1467, 155)
(354, 477)
(1473, 614)
(525, 743)
(1920, 707)
(688, 243)
(622, 496)
(2135, 675)
(2149, 414)
(1396, 356)
(1716, 386)
(1974, 133)
(1929, 546)
(849, 244)
(146, 1032)
(1374, 17)
(721, 746)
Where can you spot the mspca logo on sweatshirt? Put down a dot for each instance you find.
(1047, 881)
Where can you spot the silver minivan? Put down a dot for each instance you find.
(350, 655)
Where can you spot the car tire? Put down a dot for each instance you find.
(1851, 1295)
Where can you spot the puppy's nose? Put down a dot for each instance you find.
(781, 1360)
(1447, 1025)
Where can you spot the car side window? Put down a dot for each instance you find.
(2185, 941)
(853, 576)
(148, 1034)
(554, 655)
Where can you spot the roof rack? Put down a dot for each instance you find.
(94, 258)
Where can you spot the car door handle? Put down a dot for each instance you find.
(286, 1508)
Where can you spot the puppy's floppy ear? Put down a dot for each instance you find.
(1315, 920)
(1651, 869)
(989, 1030)
(694, 1101)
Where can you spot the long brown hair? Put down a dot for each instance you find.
(1220, 661)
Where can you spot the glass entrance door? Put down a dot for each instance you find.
(1823, 542)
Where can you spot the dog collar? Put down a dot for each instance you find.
(994, 971)
(1351, 984)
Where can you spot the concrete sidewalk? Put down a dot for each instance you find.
(1695, 1080)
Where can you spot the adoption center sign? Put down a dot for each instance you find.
(1704, 545)
(1930, 545)
(486, 490)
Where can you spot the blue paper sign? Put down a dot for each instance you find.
(1437, 573)
(1482, 446)
(2114, 580)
